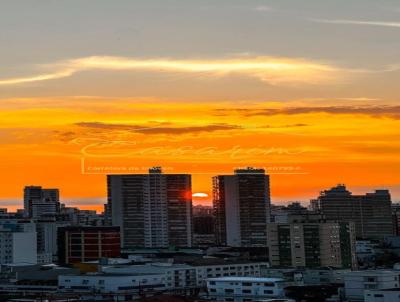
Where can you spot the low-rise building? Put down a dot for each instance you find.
(125, 281)
(324, 276)
(17, 247)
(251, 287)
(357, 282)
(183, 276)
(111, 283)
(86, 243)
(382, 295)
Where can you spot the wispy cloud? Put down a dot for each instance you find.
(268, 69)
(358, 22)
(376, 111)
(158, 129)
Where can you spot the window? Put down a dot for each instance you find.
(268, 291)
(370, 286)
(229, 290)
(269, 284)
(246, 284)
(246, 291)
(213, 290)
(212, 282)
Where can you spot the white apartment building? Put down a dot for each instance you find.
(229, 270)
(179, 276)
(383, 295)
(246, 287)
(357, 282)
(17, 247)
(110, 283)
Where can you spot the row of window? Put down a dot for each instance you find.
(244, 291)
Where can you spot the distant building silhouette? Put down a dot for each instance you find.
(371, 212)
(39, 201)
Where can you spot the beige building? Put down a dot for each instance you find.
(311, 244)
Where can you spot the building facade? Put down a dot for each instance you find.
(312, 244)
(153, 210)
(81, 244)
(241, 205)
(371, 213)
(17, 247)
(358, 283)
(179, 276)
(250, 287)
(382, 295)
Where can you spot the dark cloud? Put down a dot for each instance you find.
(378, 111)
(158, 129)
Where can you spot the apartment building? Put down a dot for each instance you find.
(152, 210)
(312, 244)
(241, 205)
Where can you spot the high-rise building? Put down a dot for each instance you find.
(39, 201)
(311, 241)
(153, 210)
(241, 207)
(396, 218)
(371, 213)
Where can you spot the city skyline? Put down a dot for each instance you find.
(306, 90)
(198, 198)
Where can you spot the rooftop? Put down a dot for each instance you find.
(245, 279)
(371, 273)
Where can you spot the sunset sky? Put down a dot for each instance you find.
(308, 89)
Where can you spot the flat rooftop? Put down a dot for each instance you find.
(245, 279)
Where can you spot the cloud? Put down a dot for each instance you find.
(269, 69)
(158, 129)
(358, 22)
(378, 111)
(285, 126)
(264, 8)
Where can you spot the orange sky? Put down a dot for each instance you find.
(308, 90)
(72, 143)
